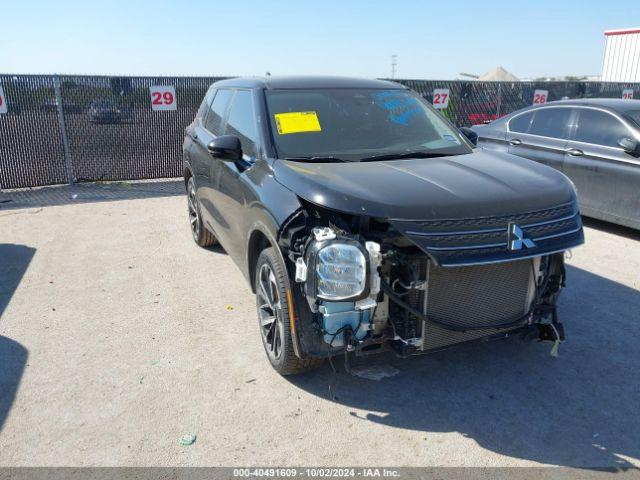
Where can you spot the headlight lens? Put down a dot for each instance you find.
(341, 272)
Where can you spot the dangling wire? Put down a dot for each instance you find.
(556, 344)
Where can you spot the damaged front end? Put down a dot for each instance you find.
(363, 284)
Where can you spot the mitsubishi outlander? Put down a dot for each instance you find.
(364, 221)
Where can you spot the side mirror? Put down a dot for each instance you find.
(629, 145)
(226, 147)
(470, 134)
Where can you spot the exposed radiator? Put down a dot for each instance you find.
(492, 294)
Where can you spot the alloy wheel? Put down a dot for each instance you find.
(269, 311)
(194, 216)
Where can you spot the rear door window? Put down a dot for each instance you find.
(520, 124)
(599, 128)
(551, 122)
(242, 122)
(217, 111)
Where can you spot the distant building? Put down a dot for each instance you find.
(622, 56)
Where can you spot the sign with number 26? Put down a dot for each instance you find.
(540, 97)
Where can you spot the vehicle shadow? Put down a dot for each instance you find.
(612, 228)
(13, 358)
(512, 397)
(14, 261)
(89, 193)
(217, 248)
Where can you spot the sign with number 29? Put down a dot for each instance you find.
(163, 97)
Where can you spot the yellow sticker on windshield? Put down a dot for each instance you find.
(297, 122)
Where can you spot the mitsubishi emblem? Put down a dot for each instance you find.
(517, 238)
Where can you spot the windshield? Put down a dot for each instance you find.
(353, 124)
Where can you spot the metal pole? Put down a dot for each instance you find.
(63, 129)
(499, 106)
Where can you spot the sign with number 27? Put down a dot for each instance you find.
(440, 98)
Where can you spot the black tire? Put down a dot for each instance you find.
(201, 235)
(273, 316)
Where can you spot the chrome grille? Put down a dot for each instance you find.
(468, 241)
(465, 225)
(497, 237)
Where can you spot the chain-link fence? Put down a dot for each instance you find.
(31, 149)
(61, 129)
(475, 102)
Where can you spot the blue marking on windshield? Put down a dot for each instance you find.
(401, 107)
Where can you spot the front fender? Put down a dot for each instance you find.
(269, 205)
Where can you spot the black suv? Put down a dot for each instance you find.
(365, 221)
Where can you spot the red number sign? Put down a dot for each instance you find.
(3, 101)
(441, 98)
(163, 97)
(540, 97)
(627, 94)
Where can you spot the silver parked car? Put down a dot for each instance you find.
(595, 142)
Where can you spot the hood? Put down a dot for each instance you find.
(465, 186)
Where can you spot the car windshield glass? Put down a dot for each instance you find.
(352, 124)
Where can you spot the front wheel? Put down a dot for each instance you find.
(273, 316)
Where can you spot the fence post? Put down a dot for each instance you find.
(499, 102)
(63, 129)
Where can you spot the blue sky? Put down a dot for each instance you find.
(435, 40)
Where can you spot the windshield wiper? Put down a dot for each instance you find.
(400, 155)
(316, 159)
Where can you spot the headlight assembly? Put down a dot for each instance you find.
(341, 272)
(336, 269)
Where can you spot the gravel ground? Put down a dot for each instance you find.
(118, 336)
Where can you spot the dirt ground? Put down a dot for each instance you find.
(118, 336)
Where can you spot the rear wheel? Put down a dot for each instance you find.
(201, 235)
(273, 316)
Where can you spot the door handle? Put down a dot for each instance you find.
(515, 142)
(575, 152)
